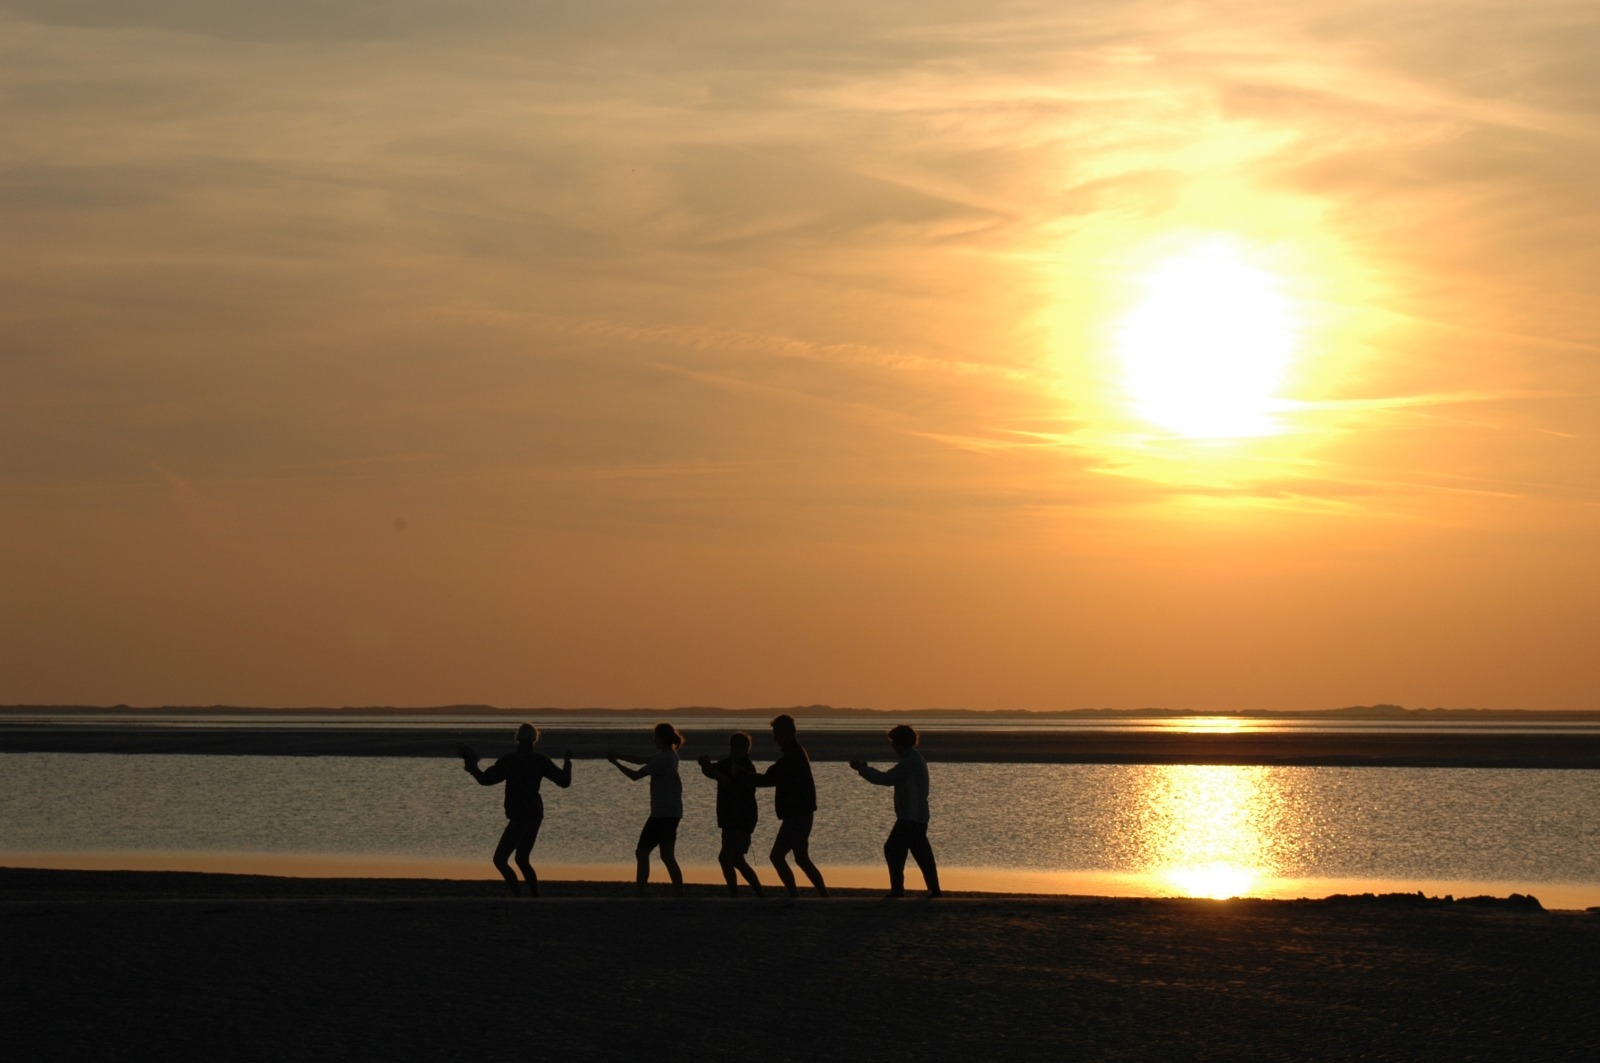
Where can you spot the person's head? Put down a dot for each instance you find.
(667, 736)
(903, 737)
(739, 744)
(527, 734)
(783, 728)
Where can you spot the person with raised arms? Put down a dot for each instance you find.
(521, 770)
(909, 777)
(794, 800)
(666, 805)
(736, 811)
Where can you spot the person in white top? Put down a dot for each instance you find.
(666, 805)
(909, 778)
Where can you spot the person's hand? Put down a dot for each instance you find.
(468, 755)
(569, 754)
(858, 764)
(705, 760)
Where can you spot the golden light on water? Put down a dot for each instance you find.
(1205, 351)
(1211, 725)
(1209, 830)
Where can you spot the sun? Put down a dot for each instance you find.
(1205, 350)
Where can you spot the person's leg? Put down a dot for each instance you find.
(895, 848)
(502, 853)
(669, 857)
(739, 840)
(529, 835)
(641, 855)
(780, 849)
(802, 856)
(750, 876)
(726, 859)
(922, 852)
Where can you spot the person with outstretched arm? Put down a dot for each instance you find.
(909, 777)
(795, 802)
(666, 805)
(521, 770)
(736, 811)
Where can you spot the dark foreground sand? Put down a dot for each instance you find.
(120, 965)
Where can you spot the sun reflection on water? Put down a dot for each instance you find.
(1209, 830)
(1211, 725)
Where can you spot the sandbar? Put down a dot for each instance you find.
(1420, 748)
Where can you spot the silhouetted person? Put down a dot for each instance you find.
(736, 810)
(909, 778)
(795, 802)
(521, 770)
(666, 805)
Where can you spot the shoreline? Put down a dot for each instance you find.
(1340, 749)
(124, 965)
(19, 885)
(866, 879)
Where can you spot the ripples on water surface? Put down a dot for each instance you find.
(1182, 830)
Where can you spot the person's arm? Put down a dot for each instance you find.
(635, 775)
(561, 776)
(713, 770)
(880, 778)
(469, 760)
(774, 773)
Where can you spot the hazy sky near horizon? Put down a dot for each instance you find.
(618, 354)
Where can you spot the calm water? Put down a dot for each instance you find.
(1181, 830)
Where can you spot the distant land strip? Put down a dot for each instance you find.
(967, 744)
(811, 712)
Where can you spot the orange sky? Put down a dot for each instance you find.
(747, 355)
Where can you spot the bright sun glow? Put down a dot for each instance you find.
(1205, 351)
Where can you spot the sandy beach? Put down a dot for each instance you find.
(1393, 749)
(123, 965)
